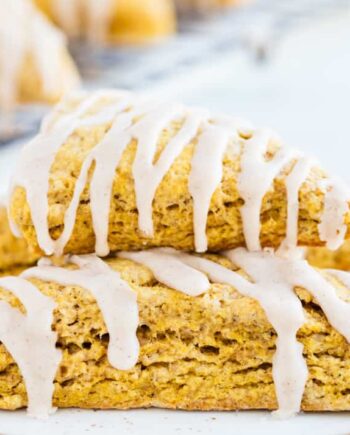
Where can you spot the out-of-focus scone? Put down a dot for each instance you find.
(327, 259)
(206, 5)
(173, 203)
(35, 65)
(138, 21)
(113, 21)
(198, 353)
(13, 251)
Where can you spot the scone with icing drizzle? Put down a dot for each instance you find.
(255, 327)
(116, 171)
(34, 61)
(168, 329)
(113, 21)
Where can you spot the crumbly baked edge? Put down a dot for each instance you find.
(209, 352)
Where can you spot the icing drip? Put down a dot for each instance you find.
(31, 342)
(97, 14)
(25, 31)
(207, 159)
(294, 182)
(171, 271)
(116, 300)
(332, 228)
(255, 179)
(147, 132)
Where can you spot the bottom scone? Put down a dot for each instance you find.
(325, 258)
(203, 346)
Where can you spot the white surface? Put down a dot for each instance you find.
(304, 94)
(154, 422)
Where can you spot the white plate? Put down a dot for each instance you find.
(155, 421)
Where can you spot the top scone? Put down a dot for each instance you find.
(114, 171)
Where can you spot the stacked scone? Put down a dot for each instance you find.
(171, 274)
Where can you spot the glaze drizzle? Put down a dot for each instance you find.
(20, 332)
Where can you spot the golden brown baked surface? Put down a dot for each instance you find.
(209, 352)
(13, 251)
(172, 205)
(324, 258)
(138, 21)
(132, 21)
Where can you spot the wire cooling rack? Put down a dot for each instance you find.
(201, 39)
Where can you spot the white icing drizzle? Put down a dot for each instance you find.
(31, 342)
(116, 300)
(147, 132)
(171, 271)
(25, 31)
(255, 179)
(293, 183)
(147, 175)
(136, 118)
(332, 228)
(97, 16)
(207, 159)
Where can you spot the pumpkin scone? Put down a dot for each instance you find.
(207, 5)
(122, 172)
(35, 65)
(162, 328)
(113, 21)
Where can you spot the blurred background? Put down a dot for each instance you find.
(284, 64)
